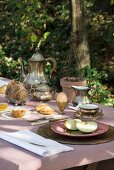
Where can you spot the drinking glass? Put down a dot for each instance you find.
(62, 105)
(62, 101)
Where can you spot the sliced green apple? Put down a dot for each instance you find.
(77, 120)
(86, 127)
(70, 124)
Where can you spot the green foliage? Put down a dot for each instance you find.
(98, 93)
(8, 66)
(28, 24)
(43, 39)
(100, 32)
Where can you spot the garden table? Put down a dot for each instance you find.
(13, 157)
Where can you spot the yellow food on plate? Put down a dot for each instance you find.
(3, 106)
(44, 109)
(3, 89)
(18, 113)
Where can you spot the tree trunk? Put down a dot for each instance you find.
(80, 43)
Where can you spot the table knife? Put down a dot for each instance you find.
(35, 120)
(39, 122)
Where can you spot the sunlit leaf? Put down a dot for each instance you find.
(33, 37)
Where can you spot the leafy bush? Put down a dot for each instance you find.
(26, 25)
(99, 93)
(8, 66)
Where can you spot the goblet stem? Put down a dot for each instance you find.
(62, 112)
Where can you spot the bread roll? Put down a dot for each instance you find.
(18, 113)
(44, 109)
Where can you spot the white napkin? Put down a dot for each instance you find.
(76, 107)
(2, 82)
(34, 143)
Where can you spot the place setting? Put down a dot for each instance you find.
(82, 129)
(76, 131)
(37, 115)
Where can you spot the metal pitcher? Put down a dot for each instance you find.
(36, 78)
(81, 95)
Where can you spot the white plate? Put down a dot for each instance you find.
(7, 114)
(88, 106)
(9, 108)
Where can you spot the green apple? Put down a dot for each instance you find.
(70, 124)
(77, 120)
(86, 127)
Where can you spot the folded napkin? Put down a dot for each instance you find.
(2, 83)
(76, 107)
(34, 143)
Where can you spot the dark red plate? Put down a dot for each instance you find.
(59, 128)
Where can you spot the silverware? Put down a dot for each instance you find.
(47, 120)
(40, 122)
(35, 120)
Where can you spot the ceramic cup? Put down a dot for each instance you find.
(89, 109)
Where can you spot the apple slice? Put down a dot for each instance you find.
(70, 124)
(77, 120)
(86, 127)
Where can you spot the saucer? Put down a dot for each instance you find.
(88, 106)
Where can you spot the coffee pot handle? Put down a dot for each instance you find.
(54, 62)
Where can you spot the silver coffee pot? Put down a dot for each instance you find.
(36, 81)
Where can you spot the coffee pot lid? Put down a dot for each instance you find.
(37, 56)
(43, 87)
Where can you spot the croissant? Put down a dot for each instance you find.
(44, 109)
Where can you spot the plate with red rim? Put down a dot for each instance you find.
(59, 128)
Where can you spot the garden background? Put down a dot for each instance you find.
(27, 24)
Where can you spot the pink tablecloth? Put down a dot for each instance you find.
(15, 158)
